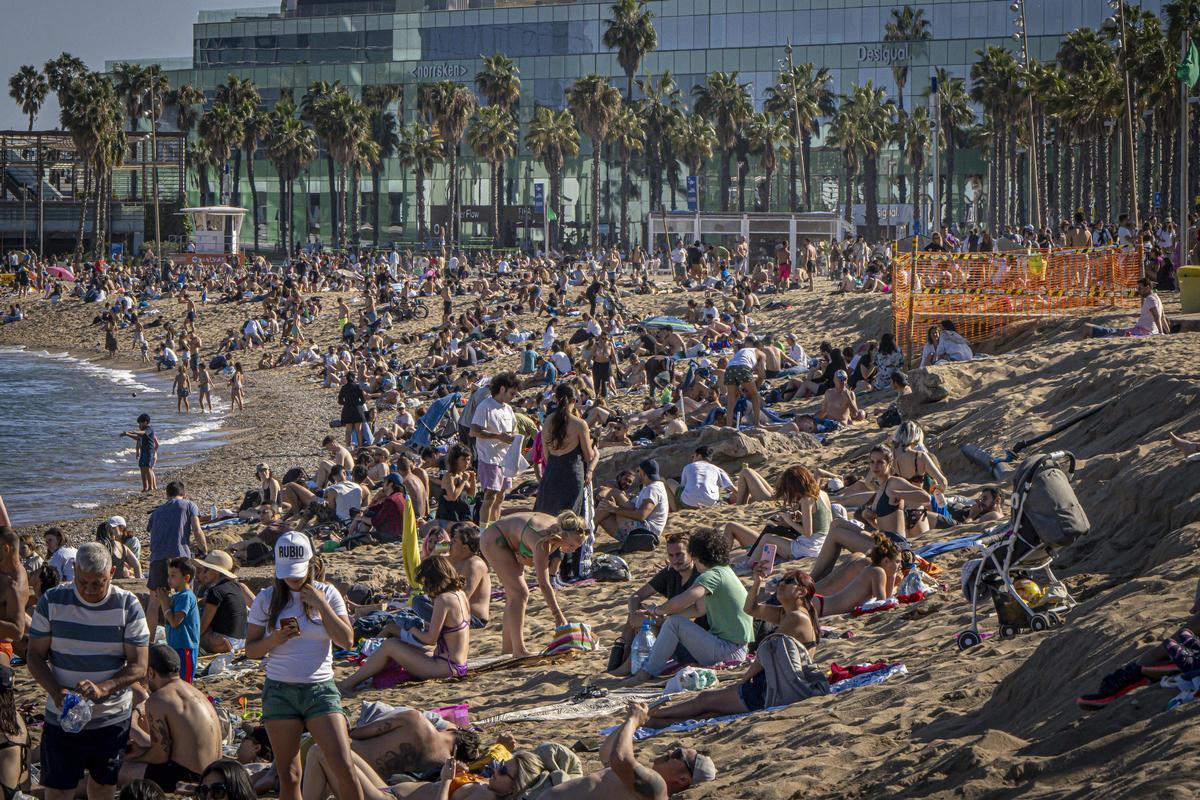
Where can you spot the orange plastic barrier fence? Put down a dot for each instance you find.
(987, 295)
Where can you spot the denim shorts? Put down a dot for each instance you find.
(300, 700)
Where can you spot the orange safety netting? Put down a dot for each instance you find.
(988, 294)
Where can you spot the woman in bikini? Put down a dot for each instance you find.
(448, 631)
(14, 749)
(917, 465)
(523, 539)
(887, 498)
(795, 616)
(861, 578)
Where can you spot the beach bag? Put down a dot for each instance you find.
(640, 540)
(572, 637)
(610, 569)
(1050, 507)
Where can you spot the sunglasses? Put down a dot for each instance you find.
(217, 791)
(678, 755)
(792, 579)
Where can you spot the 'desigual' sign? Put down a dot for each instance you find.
(884, 54)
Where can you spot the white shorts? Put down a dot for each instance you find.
(807, 546)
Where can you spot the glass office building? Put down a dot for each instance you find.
(407, 42)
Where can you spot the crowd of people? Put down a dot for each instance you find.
(434, 433)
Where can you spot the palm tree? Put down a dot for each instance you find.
(907, 24)
(28, 88)
(420, 148)
(913, 131)
(366, 154)
(766, 134)
(185, 99)
(131, 86)
(813, 100)
(346, 122)
(659, 109)
(872, 112)
(221, 130)
(201, 158)
(385, 133)
(452, 105)
(595, 103)
(499, 82)
(631, 33)
(726, 103)
(255, 128)
(91, 114)
(955, 115)
(994, 79)
(291, 145)
(243, 99)
(694, 140)
(60, 71)
(310, 112)
(493, 137)
(552, 138)
(629, 136)
(844, 135)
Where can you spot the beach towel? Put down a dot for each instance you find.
(583, 708)
(869, 679)
(560, 765)
(409, 547)
(874, 606)
(572, 637)
(948, 546)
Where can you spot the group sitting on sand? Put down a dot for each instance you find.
(427, 475)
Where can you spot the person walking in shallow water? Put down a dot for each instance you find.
(182, 387)
(237, 388)
(147, 451)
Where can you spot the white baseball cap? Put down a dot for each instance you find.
(293, 551)
(116, 522)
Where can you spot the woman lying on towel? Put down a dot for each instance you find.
(889, 504)
(795, 616)
(449, 630)
(860, 579)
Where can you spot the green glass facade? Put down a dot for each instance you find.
(408, 42)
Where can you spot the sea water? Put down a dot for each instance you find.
(61, 419)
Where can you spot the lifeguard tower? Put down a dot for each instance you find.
(215, 235)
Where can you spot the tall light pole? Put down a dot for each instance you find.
(154, 112)
(791, 73)
(1129, 144)
(1022, 35)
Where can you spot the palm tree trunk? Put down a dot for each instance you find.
(949, 175)
(1168, 180)
(743, 169)
(333, 198)
(496, 166)
(421, 233)
(555, 195)
(452, 197)
(1043, 155)
(849, 194)
(284, 215)
(595, 194)
(654, 172)
(1014, 184)
(1089, 177)
(871, 196)
(253, 196)
(991, 188)
(342, 181)
(376, 189)
(726, 177)
(625, 184)
(1145, 180)
(1001, 179)
(767, 190)
(83, 204)
(237, 177)
(1020, 186)
(356, 179)
(806, 168)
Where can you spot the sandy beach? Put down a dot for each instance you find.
(996, 721)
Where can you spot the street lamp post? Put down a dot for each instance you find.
(1129, 144)
(1022, 35)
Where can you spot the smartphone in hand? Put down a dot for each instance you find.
(767, 558)
(290, 622)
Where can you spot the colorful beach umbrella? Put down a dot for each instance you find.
(669, 323)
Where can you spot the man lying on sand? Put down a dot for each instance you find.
(624, 776)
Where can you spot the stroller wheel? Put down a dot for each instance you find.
(1008, 631)
(968, 639)
(1039, 622)
(1055, 619)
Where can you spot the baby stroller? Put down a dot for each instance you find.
(1013, 569)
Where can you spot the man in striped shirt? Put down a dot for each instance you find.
(90, 638)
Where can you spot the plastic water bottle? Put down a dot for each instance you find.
(643, 643)
(76, 713)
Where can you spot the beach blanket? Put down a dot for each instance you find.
(948, 546)
(221, 523)
(583, 708)
(693, 724)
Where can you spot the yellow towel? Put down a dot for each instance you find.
(408, 545)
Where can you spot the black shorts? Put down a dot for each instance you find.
(98, 752)
(168, 776)
(754, 692)
(157, 577)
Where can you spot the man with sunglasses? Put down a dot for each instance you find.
(624, 776)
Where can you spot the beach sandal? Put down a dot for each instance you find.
(1113, 686)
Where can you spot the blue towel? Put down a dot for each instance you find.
(948, 546)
